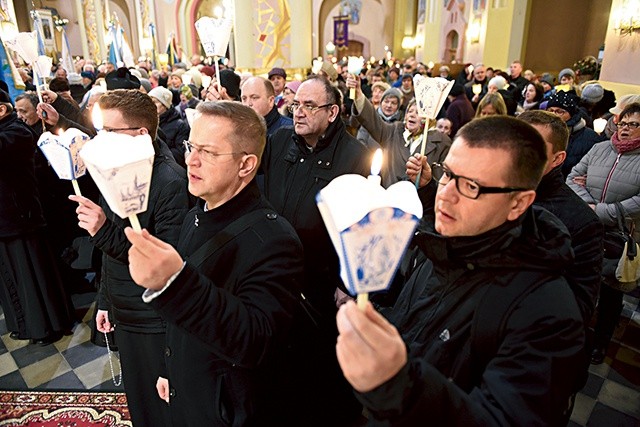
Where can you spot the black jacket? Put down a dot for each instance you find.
(586, 231)
(227, 315)
(539, 357)
(293, 177)
(176, 130)
(167, 206)
(20, 209)
(581, 140)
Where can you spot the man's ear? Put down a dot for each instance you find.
(143, 131)
(335, 112)
(559, 158)
(520, 202)
(248, 166)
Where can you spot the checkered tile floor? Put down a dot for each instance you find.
(72, 363)
(610, 398)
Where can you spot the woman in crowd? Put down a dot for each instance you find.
(532, 96)
(607, 175)
(492, 104)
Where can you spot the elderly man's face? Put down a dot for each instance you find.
(26, 112)
(312, 124)
(479, 73)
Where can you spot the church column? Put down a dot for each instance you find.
(506, 30)
(301, 43)
(430, 39)
(83, 30)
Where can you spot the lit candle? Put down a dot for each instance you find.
(96, 117)
(599, 125)
(477, 88)
(376, 166)
(374, 178)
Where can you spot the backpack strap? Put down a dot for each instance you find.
(493, 312)
(228, 233)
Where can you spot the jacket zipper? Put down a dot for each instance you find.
(606, 183)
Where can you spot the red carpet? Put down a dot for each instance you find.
(63, 409)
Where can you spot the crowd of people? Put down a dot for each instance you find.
(226, 309)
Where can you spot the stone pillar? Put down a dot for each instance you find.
(505, 36)
(301, 42)
(83, 30)
(431, 40)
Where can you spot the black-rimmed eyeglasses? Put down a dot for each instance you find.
(466, 186)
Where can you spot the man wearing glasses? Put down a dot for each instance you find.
(486, 331)
(228, 293)
(298, 162)
(139, 330)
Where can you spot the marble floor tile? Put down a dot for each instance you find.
(45, 370)
(582, 409)
(7, 364)
(621, 398)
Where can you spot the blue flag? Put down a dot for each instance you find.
(9, 74)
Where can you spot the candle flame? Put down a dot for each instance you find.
(96, 117)
(599, 125)
(376, 164)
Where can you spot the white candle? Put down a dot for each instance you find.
(599, 125)
(376, 165)
(96, 117)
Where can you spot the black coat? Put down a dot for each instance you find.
(168, 204)
(293, 177)
(227, 315)
(580, 142)
(538, 361)
(586, 231)
(20, 209)
(176, 130)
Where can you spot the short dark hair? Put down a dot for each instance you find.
(59, 84)
(249, 129)
(557, 126)
(30, 96)
(332, 93)
(630, 110)
(137, 108)
(520, 139)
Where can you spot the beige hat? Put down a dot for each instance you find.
(623, 102)
(163, 95)
(382, 85)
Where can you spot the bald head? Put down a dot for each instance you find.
(258, 93)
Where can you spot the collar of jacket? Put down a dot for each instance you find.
(272, 116)
(550, 182)
(389, 119)
(170, 115)
(325, 148)
(537, 240)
